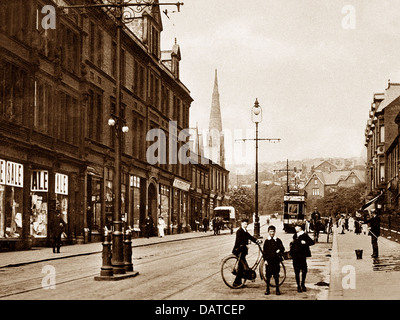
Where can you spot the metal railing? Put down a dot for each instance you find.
(390, 227)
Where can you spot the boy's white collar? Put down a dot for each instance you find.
(300, 233)
(269, 237)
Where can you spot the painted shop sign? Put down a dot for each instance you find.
(11, 173)
(40, 180)
(61, 184)
(181, 185)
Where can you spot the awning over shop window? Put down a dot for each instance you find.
(365, 206)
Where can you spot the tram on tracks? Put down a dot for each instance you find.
(294, 209)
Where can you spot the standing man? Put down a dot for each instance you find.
(205, 224)
(57, 228)
(300, 250)
(149, 224)
(374, 231)
(240, 249)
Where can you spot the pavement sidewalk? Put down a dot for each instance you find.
(367, 278)
(39, 254)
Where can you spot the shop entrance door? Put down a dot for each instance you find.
(152, 196)
(93, 212)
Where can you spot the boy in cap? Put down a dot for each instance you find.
(273, 250)
(300, 250)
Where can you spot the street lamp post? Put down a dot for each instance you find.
(256, 117)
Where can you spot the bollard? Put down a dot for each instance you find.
(359, 254)
(128, 266)
(106, 268)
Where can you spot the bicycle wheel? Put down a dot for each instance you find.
(282, 273)
(229, 269)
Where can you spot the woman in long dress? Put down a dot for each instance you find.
(351, 224)
(161, 226)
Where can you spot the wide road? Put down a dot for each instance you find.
(184, 270)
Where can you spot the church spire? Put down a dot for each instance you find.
(216, 151)
(215, 115)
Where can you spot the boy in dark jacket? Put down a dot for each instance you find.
(300, 250)
(273, 250)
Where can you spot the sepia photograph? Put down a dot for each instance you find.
(199, 158)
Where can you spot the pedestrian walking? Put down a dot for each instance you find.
(357, 227)
(214, 225)
(315, 219)
(161, 226)
(341, 224)
(300, 250)
(149, 225)
(57, 228)
(351, 224)
(205, 224)
(273, 251)
(374, 231)
(240, 250)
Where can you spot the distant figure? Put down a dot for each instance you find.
(57, 229)
(205, 224)
(216, 225)
(149, 225)
(315, 219)
(351, 224)
(161, 226)
(341, 224)
(357, 227)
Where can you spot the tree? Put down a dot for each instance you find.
(344, 200)
(242, 199)
(271, 199)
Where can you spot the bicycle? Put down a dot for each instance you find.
(230, 267)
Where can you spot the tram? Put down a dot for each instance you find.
(294, 209)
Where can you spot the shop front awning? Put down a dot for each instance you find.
(365, 206)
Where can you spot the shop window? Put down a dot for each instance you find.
(39, 214)
(61, 191)
(135, 182)
(164, 199)
(10, 211)
(11, 196)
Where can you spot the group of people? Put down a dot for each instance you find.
(273, 250)
(351, 224)
(149, 226)
(357, 225)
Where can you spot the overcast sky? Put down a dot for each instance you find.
(312, 67)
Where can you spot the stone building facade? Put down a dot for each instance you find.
(57, 92)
